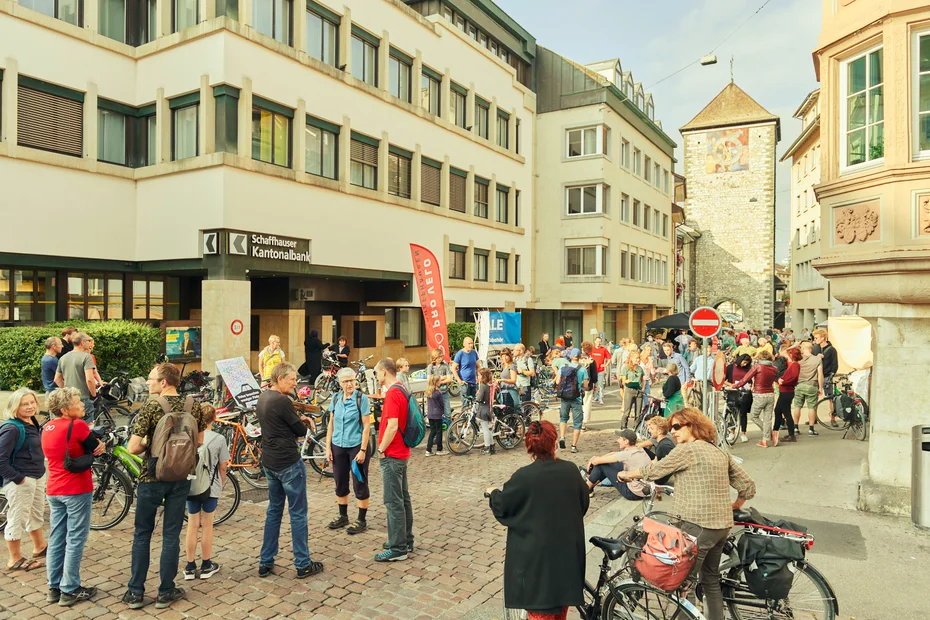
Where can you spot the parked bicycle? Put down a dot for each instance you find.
(361, 374)
(463, 433)
(326, 383)
(849, 411)
(651, 408)
(244, 437)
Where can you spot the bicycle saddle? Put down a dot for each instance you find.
(612, 547)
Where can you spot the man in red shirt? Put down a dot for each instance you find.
(394, 454)
(600, 354)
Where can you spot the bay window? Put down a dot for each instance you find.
(586, 199)
(863, 112)
(587, 260)
(921, 81)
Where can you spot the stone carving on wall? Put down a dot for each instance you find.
(856, 223)
(923, 214)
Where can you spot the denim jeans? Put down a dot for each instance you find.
(286, 484)
(468, 389)
(397, 504)
(149, 497)
(70, 524)
(89, 411)
(447, 404)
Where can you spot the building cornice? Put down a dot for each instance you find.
(914, 171)
(801, 139)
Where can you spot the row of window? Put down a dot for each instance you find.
(805, 200)
(481, 264)
(809, 233)
(595, 198)
(635, 93)
(636, 264)
(596, 140)
(802, 166)
(807, 278)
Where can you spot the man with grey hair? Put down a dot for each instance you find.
(50, 363)
(77, 369)
(394, 454)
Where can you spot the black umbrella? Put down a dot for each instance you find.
(673, 321)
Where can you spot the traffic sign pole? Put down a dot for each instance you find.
(704, 390)
(705, 322)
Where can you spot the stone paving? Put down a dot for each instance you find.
(457, 565)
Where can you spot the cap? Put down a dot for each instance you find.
(627, 434)
(568, 331)
(574, 353)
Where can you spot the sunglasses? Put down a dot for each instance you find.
(678, 427)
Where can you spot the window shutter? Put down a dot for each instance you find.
(364, 153)
(457, 193)
(50, 122)
(399, 176)
(430, 184)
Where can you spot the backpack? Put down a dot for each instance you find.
(207, 472)
(666, 556)
(20, 441)
(592, 376)
(173, 453)
(768, 564)
(416, 424)
(568, 383)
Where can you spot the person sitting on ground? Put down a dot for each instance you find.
(674, 401)
(630, 457)
(202, 508)
(659, 443)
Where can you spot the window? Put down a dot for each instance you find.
(185, 14)
(405, 324)
(29, 296)
(664, 272)
(149, 136)
(625, 154)
(457, 100)
(805, 236)
(481, 117)
(634, 266)
(584, 199)
(320, 151)
(503, 129)
(50, 118)
(430, 181)
(637, 162)
(624, 208)
(665, 184)
(482, 40)
(430, 92)
(651, 111)
(502, 264)
(364, 60)
(472, 32)
(516, 269)
(149, 30)
(585, 260)
(481, 266)
(636, 213)
(481, 198)
(271, 136)
(185, 130)
(624, 264)
(517, 135)
(797, 237)
(456, 262)
(399, 173)
(503, 210)
(647, 216)
(460, 23)
(322, 35)
(921, 83)
(66, 10)
(457, 183)
(97, 296)
(363, 162)
(516, 209)
(447, 12)
(111, 137)
(864, 114)
(112, 19)
(643, 274)
(273, 18)
(399, 76)
(647, 170)
(665, 225)
(655, 174)
(582, 142)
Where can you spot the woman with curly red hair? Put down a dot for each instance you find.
(543, 497)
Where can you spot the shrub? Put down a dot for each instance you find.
(119, 345)
(457, 333)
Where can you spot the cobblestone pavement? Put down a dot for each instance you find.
(457, 565)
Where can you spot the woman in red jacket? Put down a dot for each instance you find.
(762, 376)
(786, 387)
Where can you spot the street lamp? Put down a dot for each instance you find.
(709, 59)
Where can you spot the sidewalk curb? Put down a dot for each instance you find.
(610, 521)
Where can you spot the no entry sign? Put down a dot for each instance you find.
(705, 322)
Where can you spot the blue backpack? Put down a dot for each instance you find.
(568, 383)
(20, 440)
(416, 425)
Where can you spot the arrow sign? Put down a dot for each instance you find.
(210, 243)
(238, 244)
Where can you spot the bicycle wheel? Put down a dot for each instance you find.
(3, 508)
(322, 388)
(810, 597)
(454, 389)
(462, 435)
(531, 412)
(860, 423)
(510, 431)
(824, 418)
(119, 415)
(731, 428)
(229, 499)
(314, 453)
(639, 601)
(112, 496)
(253, 473)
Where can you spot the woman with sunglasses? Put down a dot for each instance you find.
(703, 477)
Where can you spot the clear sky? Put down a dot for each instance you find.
(655, 38)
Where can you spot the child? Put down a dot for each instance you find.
(483, 408)
(201, 508)
(435, 409)
(403, 369)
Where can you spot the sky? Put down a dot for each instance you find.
(653, 39)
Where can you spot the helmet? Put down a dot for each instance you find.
(305, 392)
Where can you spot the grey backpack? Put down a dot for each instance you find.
(173, 452)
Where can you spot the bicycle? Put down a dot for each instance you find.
(326, 383)
(507, 429)
(313, 447)
(245, 445)
(106, 409)
(652, 407)
(855, 418)
(728, 424)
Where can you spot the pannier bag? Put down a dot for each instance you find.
(768, 563)
(667, 555)
(844, 407)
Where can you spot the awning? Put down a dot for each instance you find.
(672, 321)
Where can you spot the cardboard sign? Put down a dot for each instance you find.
(240, 381)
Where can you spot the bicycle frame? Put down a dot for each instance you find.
(239, 434)
(132, 462)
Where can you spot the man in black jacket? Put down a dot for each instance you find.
(825, 350)
(544, 347)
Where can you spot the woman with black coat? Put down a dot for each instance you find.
(543, 497)
(313, 350)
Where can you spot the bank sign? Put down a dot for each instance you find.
(286, 250)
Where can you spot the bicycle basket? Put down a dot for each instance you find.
(663, 554)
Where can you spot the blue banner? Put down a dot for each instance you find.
(505, 328)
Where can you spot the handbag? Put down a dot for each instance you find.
(81, 463)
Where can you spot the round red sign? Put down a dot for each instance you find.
(705, 322)
(236, 327)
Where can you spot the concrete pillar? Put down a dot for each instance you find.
(492, 199)
(299, 41)
(415, 169)
(383, 163)
(162, 127)
(492, 121)
(245, 118)
(163, 14)
(512, 205)
(512, 129)
(629, 325)
(470, 261)
(492, 267)
(345, 149)
(207, 118)
(384, 54)
(444, 183)
(225, 301)
(8, 104)
(345, 40)
(470, 108)
(415, 79)
(90, 123)
(445, 96)
(299, 139)
(470, 192)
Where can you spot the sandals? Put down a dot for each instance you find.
(23, 564)
(40, 554)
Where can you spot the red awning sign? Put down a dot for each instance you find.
(705, 322)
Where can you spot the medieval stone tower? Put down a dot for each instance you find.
(729, 152)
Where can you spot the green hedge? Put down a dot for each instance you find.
(457, 333)
(118, 345)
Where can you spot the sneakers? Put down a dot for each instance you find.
(264, 570)
(342, 521)
(390, 556)
(763, 444)
(743, 437)
(561, 443)
(313, 569)
(574, 450)
(584, 473)
(53, 596)
(135, 601)
(440, 453)
(190, 571)
(164, 600)
(488, 450)
(67, 599)
(388, 546)
(428, 453)
(207, 570)
(812, 432)
(358, 527)
(833, 422)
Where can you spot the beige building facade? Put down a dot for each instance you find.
(604, 242)
(874, 196)
(262, 167)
